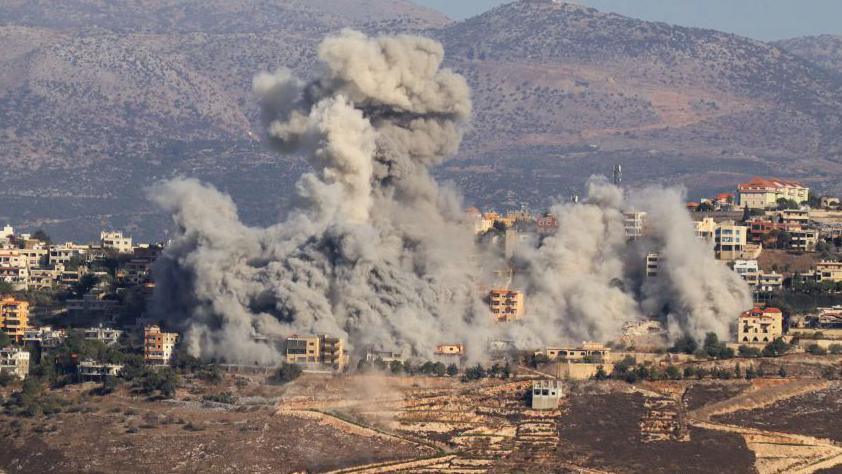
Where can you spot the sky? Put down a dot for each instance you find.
(759, 19)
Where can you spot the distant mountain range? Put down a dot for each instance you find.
(100, 99)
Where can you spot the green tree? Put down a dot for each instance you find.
(476, 372)
(715, 349)
(816, 349)
(396, 366)
(439, 369)
(782, 372)
(748, 351)
(452, 370)
(685, 344)
(5, 340)
(286, 373)
(835, 348)
(673, 373)
(600, 373)
(776, 348)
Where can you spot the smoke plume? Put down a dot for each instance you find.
(378, 253)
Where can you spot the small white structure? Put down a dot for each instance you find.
(116, 241)
(546, 394)
(107, 335)
(14, 361)
(92, 370)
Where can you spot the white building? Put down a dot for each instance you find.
(45, 336)
(108, 336)
(634, 223)
(14, 361)
(546, 394)
(116, 241)
(92, 370)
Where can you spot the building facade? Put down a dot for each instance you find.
(760, 326)
(14, 318)
(316, 352)
(507, 305)
(158, 346)
(729, 240)
(546, 394)
(763, 193)
(14, 361)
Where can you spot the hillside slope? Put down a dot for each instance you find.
(100, 99)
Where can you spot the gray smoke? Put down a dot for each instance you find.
(378, 252)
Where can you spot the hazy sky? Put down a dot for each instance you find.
(760, 19)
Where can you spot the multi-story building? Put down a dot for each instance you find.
(506, 305)
(108, 336)
(93, 370)
(729, 240)
(14, 361)
(634, 223)
(829, 271)
(158, 346)
(317, 352)
(770, 282)
(14, 268)
(763, 193)
(587, 352)
(372, 354)
(705, 228)
(546, 394)
(64, 253)
(44, 336)
(653, 264)
(116, 241)
(748, 270)
(91, 304)
(14, 317)
(760, 326)
(803, 239)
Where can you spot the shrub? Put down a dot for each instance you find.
(776, 348)
(286, 373)
(475, 373)
(816, 349)
(224, 397)
(452, 370)
(748, 351)
(835, 348)
(685, 344)
(673, 373)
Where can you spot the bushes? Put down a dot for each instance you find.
(715, 349)
(224, 397)
(685, 344)
(776, 348)
(748, 351)
(835, 348)
(816, 349)
(161, 383)
(286, 373)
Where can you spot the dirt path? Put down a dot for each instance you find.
(758, 398)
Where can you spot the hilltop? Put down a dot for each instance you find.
(100, 99)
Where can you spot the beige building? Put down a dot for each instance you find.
(760, 326)
(92, 370)
(506, 305)
(14, 361)
(705, 228)
(316, 352)
(450, 349)
(14, 318)
(829, 271)
(763, 193)
(729, 240)
(546, 394)
(116, 241)
(158, 346)
(587, 352)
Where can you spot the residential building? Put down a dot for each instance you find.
(92, 304)
(705, 228)
(794, 216)
(729, 240)
(763, 193)
(587, 352)
(829, 271)
(634, 223)
(546, 224)
(134, 272)
(653, 260)
(90, 370)
(760, 326)
(14, 268)
(116, 241)
(829, 202)
(108, 336)
(546, 394)
(770, 282)
(506, 305)
(372, 354)
(7, 232)
(158, 346)
(803, 239)
(317, 352)
(44, 336)
(14, 317)
(14, 361)
(450, 349)
(748, 270)
(64, 253)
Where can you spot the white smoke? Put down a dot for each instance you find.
(377, 252)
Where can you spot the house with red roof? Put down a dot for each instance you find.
(763, 193)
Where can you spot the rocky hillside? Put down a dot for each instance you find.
(100, 99)
(824, 50)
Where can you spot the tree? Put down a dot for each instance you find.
(750, 373)
(286, 373)
(748, 351)
(673, 373)
(5, 340)
(782, 372)
(816, 349)
(600, 373)
(452, 370)
(396, 366)
(738, 373)
(507, 371)
(685, 344)
(783, 240)
(705, 207)
(6, 288)
(776, 348)
(835, 348)
(784, 203)
(439, 369)
(715, 349)
(475, 373)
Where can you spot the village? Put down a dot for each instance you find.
(75, 324)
